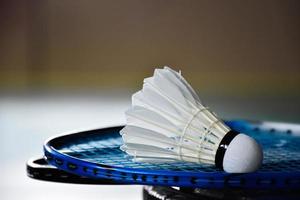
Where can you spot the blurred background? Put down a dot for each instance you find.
(74, 65)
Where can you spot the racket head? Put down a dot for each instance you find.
(96, 154)
(39, 169)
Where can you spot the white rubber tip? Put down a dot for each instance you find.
(243, 155)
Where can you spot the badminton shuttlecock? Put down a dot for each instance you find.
(168, 122)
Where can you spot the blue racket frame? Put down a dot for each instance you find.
(96, 154)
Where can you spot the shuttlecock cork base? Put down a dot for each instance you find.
(223, 147)
(167, 122)
(244, 154)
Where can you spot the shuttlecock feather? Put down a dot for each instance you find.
(167, 122)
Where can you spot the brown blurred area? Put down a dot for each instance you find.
(222, 47)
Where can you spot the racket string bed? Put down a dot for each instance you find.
(99, 152)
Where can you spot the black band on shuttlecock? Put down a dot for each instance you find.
(223, 147)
